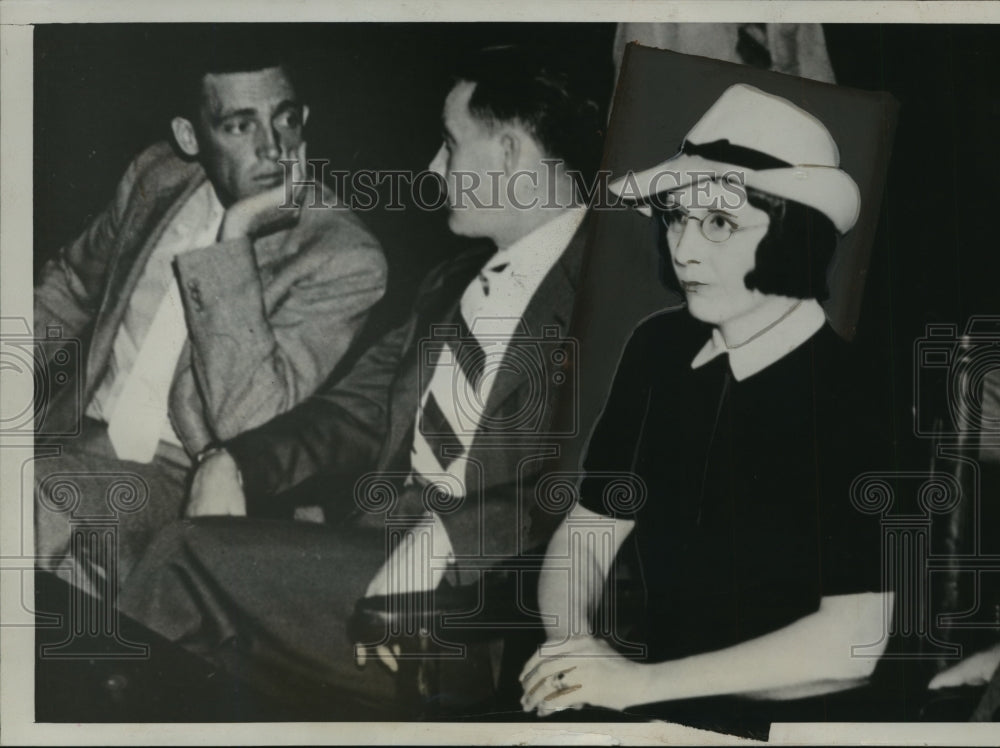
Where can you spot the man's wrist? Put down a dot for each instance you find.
(218, 453)
(232, 227)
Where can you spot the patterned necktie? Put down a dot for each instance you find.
(486, 274)
(446, 418)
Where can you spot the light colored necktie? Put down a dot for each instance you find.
(140, 412)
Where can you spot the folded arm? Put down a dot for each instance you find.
(255, 357)
(337, 431)
(810, 656)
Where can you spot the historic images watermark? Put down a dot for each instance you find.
(954, 590)
(52, 364)
(397, 190)
(494, 348)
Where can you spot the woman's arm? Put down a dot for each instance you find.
(813, 655)
(574, 572)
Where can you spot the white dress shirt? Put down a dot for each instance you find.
(151, 337)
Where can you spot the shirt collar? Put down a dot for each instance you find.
(534, 254)
(791, 332)
(214, 211)
(195, 225)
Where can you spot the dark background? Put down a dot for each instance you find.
(375, 92)
(104, 92)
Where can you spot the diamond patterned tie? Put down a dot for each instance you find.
(439, 425)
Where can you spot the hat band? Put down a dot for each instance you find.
(737, 155)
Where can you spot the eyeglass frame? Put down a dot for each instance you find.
(666, 219)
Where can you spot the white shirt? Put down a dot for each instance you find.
(773, 345)
(528, 261)
(195, 225)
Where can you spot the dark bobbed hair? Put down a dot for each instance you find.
(514, 85)
(791, 260)
(245, 52)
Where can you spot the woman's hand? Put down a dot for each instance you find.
(581, 671)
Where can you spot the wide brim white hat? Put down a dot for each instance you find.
(763, 142)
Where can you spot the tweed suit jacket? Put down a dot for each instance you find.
(347, 437)
(268, 318)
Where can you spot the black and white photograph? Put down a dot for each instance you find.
(378, 376)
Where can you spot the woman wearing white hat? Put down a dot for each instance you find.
(720, 472)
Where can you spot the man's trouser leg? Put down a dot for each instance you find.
(86, 485)
(269, 601)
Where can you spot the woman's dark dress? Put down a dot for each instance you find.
(747, 519)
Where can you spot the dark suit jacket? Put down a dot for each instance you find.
(362, 427)
(268, 318)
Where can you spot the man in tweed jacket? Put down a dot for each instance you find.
(206, 300)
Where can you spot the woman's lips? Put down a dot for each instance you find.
(691, 285)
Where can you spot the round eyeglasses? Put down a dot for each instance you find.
(716, 226)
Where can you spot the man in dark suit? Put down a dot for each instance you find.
(207, 303)
(427, 456)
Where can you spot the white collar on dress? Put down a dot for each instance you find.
(801, 324)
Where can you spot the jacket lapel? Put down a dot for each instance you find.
(438, 302)
(142, 226)
(551, 306)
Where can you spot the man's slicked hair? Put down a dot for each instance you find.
(245, 52)
(513, 85)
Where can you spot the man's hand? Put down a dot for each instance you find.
(216, 489)
(411, 566)
(582, 670)
(417, 565)
(974, 670)
(263, 212)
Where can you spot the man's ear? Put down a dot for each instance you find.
(305, 114)
(511, 144)
(185, 135)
